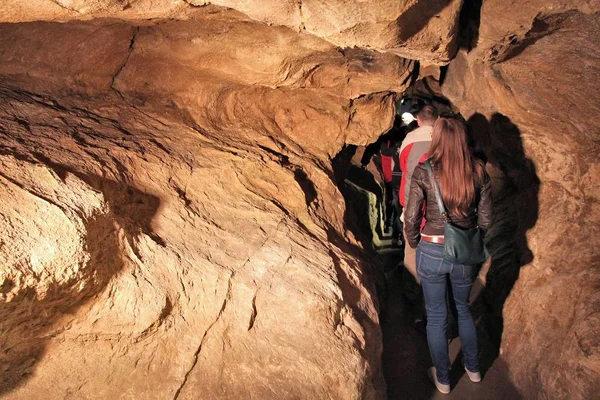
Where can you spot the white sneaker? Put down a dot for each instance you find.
(473, 376)
(445, 389)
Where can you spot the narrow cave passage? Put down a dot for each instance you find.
(405, 351)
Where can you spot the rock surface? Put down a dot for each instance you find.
(172, 225)
(426, 30)
(507, 27)
(534, 107)
(171, 219)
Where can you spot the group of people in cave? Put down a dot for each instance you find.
(416, 221)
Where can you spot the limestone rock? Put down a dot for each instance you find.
(535, 114)
(506, 27)
(172, 221)
(426, 30)
(420, 29)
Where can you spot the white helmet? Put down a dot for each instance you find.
(407, 118)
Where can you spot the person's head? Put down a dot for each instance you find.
(459, 171)
(427, 115)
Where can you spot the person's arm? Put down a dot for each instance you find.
(413, 213)
(403, 158)
(484, 208)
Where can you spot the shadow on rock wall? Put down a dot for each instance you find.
(418, 15)
(356, 185)
(132, 208)
(515, 186)
(363, 196)
(29, 323)
(469, 21)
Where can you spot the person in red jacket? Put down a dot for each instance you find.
(392, 177)
(386, 152)
(390, 166)
(413, 151)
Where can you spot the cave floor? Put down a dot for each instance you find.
(406, 356)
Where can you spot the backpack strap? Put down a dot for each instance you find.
(438, 195)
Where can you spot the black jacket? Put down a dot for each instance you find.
(480, 212)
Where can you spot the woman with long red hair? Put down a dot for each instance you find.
(465, 191)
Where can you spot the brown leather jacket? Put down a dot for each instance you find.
(480, 212)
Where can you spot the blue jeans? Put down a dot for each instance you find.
(434, 273)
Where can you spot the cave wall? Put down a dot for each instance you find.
(172, 224)
(172, 221)
(426, 30)
(529, 90)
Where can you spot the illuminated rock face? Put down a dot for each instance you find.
(171, 221)
(171, 225)
(421, 29)
(534, 106)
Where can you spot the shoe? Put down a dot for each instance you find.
(443, 388)
(421, 326)
(473, 376)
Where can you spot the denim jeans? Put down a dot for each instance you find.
(434, 273)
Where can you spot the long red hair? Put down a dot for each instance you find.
(459, 172)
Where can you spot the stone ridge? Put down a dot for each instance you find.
(426, 30)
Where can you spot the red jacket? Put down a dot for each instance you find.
(387, 160)
(413, 150)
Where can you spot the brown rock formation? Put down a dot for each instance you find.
(171, 223)
(170, 216)
(534, 105)
(418, 29)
